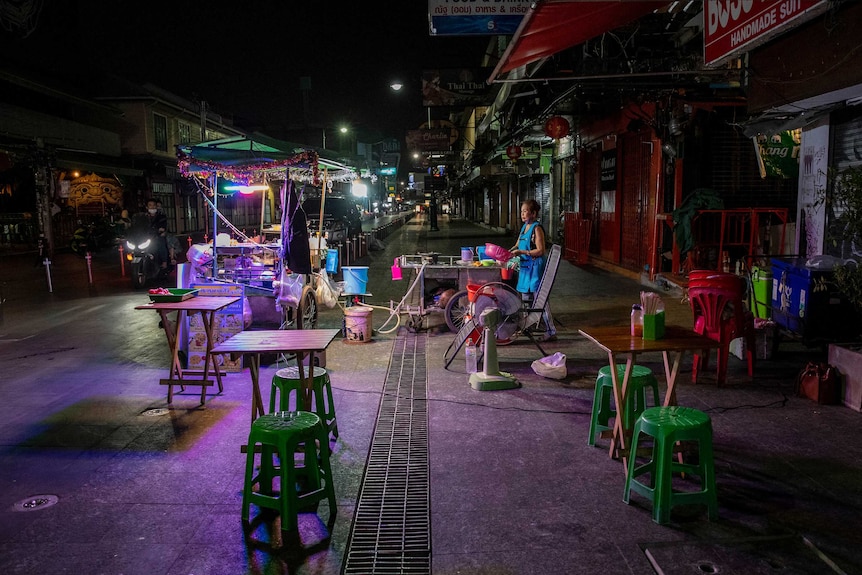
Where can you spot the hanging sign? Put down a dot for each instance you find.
(733, 25)
(470, 18)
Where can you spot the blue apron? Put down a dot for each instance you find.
(531, 269)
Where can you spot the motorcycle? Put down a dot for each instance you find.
(141, 253)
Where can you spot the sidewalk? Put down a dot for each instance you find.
(512, 485)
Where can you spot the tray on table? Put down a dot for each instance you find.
(176, 295)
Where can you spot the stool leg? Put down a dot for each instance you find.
(601, 412)
(662, 480)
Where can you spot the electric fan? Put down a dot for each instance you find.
(496, 314)
(507, 301)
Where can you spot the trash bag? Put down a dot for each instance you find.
(289, 290)
(327, 293)
(552, 366)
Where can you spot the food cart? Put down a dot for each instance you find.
(263, 266)
(438, 284)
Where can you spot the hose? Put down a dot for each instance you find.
(396, 311)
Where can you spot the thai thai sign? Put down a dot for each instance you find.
(476, 17)
(733, 25)
(455, 87)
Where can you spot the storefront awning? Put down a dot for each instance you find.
(555, 25)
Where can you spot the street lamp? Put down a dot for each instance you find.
(342, 129)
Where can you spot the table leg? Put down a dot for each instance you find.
(256, 399)
(671, 371)
(619, 438)
(208, 319)
(306, 379)
(171, 332)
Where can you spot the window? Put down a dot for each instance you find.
(184, 132)
(160, 130)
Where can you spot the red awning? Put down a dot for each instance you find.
(555, 25)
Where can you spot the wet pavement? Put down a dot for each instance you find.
(99, 474)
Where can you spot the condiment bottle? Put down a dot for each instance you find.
(637, 321)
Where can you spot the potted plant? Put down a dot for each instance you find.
(844, 241)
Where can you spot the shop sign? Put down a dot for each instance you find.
(609, 170)
(734, 25)
(778, 154)
(462, 87)
(476, 18)
(433, 140)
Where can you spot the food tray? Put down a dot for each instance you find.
(177, 295)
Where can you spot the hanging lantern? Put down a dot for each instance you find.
(557, 127)
(514, 152)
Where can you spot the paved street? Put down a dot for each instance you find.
(127, 483)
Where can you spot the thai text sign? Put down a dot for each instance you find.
(476, 17)
(731, 25)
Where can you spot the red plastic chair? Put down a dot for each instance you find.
(719, 311)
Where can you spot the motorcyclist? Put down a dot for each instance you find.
(158, 225)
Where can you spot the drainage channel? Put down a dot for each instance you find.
(391, 532)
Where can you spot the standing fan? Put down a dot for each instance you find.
(496, 312)
(507, 301)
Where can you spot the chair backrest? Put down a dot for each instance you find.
(717, 310)
(546, 282)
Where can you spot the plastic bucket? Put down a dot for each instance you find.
(480, 251)
(355, 279)
(396, 270)
(332, 261)
(472, 290)
(506, 273)
(466, 254)
(357, 323)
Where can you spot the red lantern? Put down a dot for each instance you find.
(557, 127)
(514, 152)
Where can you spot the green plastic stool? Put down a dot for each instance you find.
(667, 426)
(285, 387)
(302, 482)
(641, 378)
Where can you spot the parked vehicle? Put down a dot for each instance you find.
(341, 219)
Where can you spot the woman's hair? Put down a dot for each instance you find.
(532, 205)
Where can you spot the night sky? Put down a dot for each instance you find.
(247, 58)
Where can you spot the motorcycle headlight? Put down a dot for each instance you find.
(131, 246)
(145, 245)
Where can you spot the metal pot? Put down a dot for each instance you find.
(429, 257)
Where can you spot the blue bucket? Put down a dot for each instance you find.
(332, 261)
(355, 279)
(480, 251)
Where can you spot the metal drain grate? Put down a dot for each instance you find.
(391, 532)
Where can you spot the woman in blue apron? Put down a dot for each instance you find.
(530, 249)
(532, 252)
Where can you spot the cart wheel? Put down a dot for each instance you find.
(307, 311)
(456, 310)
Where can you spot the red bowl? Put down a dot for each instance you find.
(498, 253)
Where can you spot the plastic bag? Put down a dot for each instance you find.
(326, 292)
(290, 289)
(552, 366)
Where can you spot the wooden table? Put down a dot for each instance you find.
(206, 307)
(618, 341)
(302, 342)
